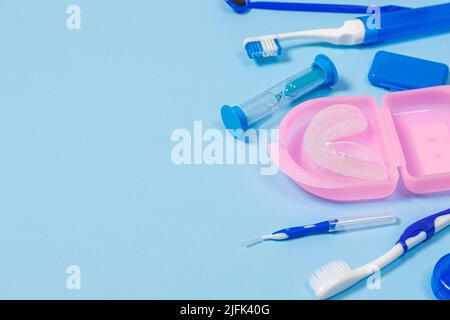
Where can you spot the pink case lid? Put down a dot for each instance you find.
(411, 132)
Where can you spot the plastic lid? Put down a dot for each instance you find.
(398, 72)
(234, 118)
(440, 281)
(328, 67)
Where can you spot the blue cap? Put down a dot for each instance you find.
(440, 281)
(328, 67)
(234, 118)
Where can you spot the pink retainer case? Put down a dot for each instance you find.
(411, 132)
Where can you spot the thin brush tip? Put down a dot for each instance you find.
(256, 241)
(251, 243)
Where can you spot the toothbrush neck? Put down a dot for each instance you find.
(351, 33)
(378, 264)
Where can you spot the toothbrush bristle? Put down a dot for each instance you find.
(263, 48)
(326, 274)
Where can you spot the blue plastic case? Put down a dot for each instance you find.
(397, 72)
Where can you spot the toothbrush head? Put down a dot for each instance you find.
(263, 47)
(240, 6)
(323, 279)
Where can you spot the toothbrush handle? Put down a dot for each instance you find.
(424, 229)
(319, 7)
(297, 232)
(406, 23)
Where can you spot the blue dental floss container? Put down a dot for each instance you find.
(440, 281)
(397, 72)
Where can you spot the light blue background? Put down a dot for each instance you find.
(86, 176)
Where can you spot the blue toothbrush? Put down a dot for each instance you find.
(361, 31)
(241, 6)
(330, 226)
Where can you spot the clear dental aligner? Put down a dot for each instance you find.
(324, 144)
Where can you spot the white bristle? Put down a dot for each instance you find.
(326, 274)
(269, 47)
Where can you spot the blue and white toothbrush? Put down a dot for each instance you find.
(337, 276)
(361, 31)
(330, 226)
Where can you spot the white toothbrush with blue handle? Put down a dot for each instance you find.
(351, 33)
(337, 276)
(330, 226)
(363, 30)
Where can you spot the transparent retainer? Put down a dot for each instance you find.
(343, 157)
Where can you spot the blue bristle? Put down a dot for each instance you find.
(254, 50)
(280, 49)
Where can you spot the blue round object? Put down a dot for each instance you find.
(234, 118)
(440, 281)
(328, 67)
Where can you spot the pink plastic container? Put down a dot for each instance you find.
(411, 132)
